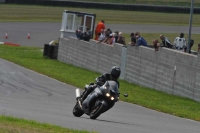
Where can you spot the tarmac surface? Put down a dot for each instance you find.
(30, 95)
(44, 32)
(27, 94)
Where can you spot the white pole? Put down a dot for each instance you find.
(190, 25)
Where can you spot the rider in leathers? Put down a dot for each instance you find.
(113, 75)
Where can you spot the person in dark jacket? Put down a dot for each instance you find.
(133, 39)
(140, 40)
(87, 35)
(165, 42)
(113, 75)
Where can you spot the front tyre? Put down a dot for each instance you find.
(97, 111)
(77, 111)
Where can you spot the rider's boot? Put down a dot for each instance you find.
(84, 96)
(87, 91)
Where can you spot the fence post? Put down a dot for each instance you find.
(123, 62)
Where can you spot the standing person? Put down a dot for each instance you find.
(165, 41)
(191, 44)
(156, 44)
(198, 47)
(121, 39)
(140, 40)
(102, 35)
(87, 35)
(99, 27)
(79, 34)
(116, 37)
(133, 39)
(180, 42)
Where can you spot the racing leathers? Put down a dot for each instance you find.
(99, 82)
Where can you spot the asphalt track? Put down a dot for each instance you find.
(27, 94)
(45, 32)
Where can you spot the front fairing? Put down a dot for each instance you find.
(110, 91)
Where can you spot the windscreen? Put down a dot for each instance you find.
(113, 86)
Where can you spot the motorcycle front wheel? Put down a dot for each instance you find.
(96, 112)
(77, 111)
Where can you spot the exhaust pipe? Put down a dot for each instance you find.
(78, 94)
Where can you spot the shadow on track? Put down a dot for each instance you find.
(108, 121)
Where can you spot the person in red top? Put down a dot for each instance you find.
(100, 26)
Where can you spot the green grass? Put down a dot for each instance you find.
(27, 13)
(151, 2)
(9, 124)
(32, 58)
(171, 36)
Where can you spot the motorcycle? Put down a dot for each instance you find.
(97, 102)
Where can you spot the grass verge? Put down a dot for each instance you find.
(15, 125)
(32, 13)
(151, 2)
(32, 58)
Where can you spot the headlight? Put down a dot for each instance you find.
(105, 87)
(107, 94)
(112, 98)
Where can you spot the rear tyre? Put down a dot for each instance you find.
(77, 111)
(96, 112)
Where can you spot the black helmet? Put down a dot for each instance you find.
(115, 72)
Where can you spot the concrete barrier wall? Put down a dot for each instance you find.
(197, 81)
(90, 55)
(145, 68)
(167, 70)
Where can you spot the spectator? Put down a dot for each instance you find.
(180, 42)
(156, 44)
(111, 39)
(102, 35)
(79, 34)
(87, 35)
(191, 44)
(99, 34)
(99, 27)
(165, 42)
(133, 39)
(140, 40)
(116, 37)
(121, 39)
(109, 31)
(105, 40)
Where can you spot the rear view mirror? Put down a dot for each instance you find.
(125, 95)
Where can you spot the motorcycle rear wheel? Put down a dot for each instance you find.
(77, 111)
(96, 112)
